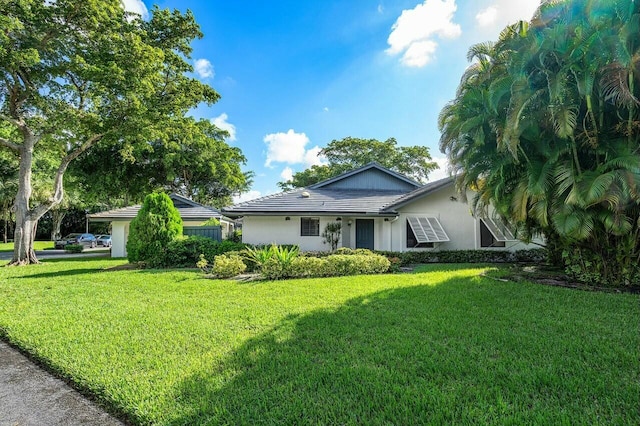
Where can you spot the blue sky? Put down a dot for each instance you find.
(295, 75)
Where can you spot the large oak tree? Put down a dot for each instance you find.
(78, 73)
(350, 153)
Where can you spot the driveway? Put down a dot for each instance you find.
(31, 396)
(61, 254)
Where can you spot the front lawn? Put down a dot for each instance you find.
(439, 346)
(37, 245)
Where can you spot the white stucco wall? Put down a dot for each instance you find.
(278, 230)
(119, 235)
(456, 219)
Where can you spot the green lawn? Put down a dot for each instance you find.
(440, 346)
(38, 245)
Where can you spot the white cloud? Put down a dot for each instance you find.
(313, 158)
(287, 174)
(380, 9)
(504, 12)
(203, 68)
(442, 172)
(136, 6)
(487, 17)
(222, 123)
(246, 196)
(290, 148)
(414, 32)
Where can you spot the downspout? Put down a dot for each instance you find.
(391, 221)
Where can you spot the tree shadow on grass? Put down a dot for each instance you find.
(456, 352)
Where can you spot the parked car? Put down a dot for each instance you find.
(88, 240)
(104, 240)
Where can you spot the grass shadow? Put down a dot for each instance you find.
(443, 354)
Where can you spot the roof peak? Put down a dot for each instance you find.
(369, 166)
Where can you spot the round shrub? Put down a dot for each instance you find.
(74, 248)
(303, 267)
(227, 266)
(154, 227)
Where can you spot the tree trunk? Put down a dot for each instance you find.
(23, 236)
(23, 253)
(5, 210)
(57, 215)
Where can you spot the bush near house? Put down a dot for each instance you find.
(74, 248)
(185, 252)
(154, 227)
(224, 265)
(277, 262)
(467, 256)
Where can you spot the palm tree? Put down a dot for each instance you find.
(546, 127)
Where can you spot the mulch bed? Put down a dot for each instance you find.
(546, 275)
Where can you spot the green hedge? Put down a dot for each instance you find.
(185, 252)
(329, 266)
(74, 248)
(468, 256)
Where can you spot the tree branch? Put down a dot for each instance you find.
(58, 188)
(18, 123)
(7, 143)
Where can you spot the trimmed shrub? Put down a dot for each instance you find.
(306, 267)
(184, 252)
(330, 266)
(356, 264)
(154, 227)
(468, 256)
(227, 266)
(74, 248)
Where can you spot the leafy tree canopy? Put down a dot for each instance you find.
(350, 153)
(80, 73)
(193, 161)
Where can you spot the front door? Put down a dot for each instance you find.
(364, 233)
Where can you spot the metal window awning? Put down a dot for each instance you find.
(499, 231)
(427, 229)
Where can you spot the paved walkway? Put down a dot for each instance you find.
(59, 254)
(30, 396)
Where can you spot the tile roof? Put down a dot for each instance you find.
(319, 201)
(189, 211)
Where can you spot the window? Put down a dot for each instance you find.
(412, 241)
(424, 231)
(310, 226)
(486, 237)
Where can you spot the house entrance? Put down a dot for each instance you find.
(364, 233)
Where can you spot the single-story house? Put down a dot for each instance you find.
(378, 209)
(193, 215)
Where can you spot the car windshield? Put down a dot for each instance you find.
(68, 237)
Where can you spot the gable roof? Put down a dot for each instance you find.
(419, 193)
(188, 209)
(316, 201)
(331, 197)
(402, 182)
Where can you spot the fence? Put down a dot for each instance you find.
(213, 232)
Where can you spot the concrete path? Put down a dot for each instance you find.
(30, 396)
(59, 254)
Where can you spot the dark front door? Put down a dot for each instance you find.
(364, 233)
